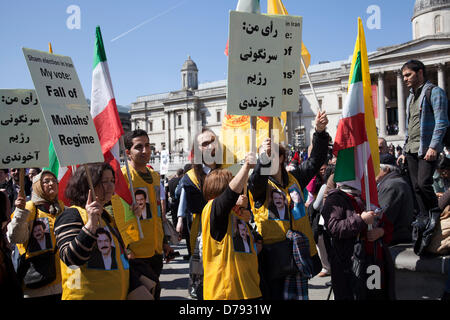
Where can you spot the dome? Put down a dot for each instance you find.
(424, 6)
(189, 65)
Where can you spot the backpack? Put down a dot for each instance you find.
(446, 140)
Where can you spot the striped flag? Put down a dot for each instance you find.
(106, 117)
(356, 138)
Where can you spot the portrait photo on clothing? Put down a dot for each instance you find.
(297, 204)
(278, 205)
(40, 239)
(103, 255)
(143, 201)
(158, 199)
(241, 236)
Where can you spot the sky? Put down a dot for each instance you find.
(147, 41)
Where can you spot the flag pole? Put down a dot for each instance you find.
(366, 183)
(310, 83)
(122, 148)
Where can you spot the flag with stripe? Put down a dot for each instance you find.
(356, 139)
(105, 115)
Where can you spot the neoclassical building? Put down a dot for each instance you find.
(172, 119)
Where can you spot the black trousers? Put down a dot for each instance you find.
(421, 173)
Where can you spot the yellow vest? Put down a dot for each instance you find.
(49, 220)
(152, 243)
(88, 283)
(274, 230)
(229, 272)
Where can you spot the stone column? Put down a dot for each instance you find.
(401, 105)
(441, 76)
(174, 130)
(381, 105)
(186, 131)
(167, 131)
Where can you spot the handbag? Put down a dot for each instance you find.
(278, 258)
(37, 271)
(170, 232)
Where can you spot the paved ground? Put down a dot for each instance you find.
(175, 275)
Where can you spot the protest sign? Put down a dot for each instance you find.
(254, 65)
(23, 133)
(264, 64)
(64, 107)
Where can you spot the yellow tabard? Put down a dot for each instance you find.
(273, 229)
(49, 220)
(152, 243)
(92, 283)
(230, 269)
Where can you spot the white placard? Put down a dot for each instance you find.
(164, 162)
(65, 108)
(292, 62)
(264, 64)
(255, 64)
(23, 133)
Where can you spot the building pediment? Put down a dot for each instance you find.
(437, 43)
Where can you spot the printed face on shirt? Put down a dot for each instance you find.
(41, 239)
(278, 200)
(296, 206)
(142, 199)
(241, 236)
(104, 243)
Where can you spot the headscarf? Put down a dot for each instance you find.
(38, 197)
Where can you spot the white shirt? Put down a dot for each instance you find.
(107, 261)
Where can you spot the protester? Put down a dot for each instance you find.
(32, 230)
(32, 172)
(15, 176)
(382, 146)
(396, 199)
(150, 249)
(275, 230)
(10, 286)
(229, 272)
(173, 201)
(346, 221)
(192, 202)
(7, 188)
(426, 112)
(78, 231)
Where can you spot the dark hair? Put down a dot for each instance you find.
(77, 189)
(104, 231)
(415, 65)
(40, 222)
(187, 167)
(129, 136)
(3, 208)
(6, 171)
(139, 191)
(180, 172)
(444, 163)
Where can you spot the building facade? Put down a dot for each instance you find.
(172, 119)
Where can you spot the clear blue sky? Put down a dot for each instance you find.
(149, 58)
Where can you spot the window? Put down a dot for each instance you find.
(320, 103)
(417, 31)
(150, 126)
(203, 118)
(163, 124)
(437, 24)
(219, 116)
(179, 120)
(340, 102)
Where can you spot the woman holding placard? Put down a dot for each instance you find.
(31, 228)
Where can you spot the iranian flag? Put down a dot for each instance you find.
(106, 117)
(62, 173)
(356, 144)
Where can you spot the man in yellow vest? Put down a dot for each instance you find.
(149, 250)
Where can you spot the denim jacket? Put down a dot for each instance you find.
(433, 119)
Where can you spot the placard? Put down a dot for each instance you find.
(264, 64)
(64, 107)
(23, 133)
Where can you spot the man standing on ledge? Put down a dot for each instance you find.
(427, 120)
